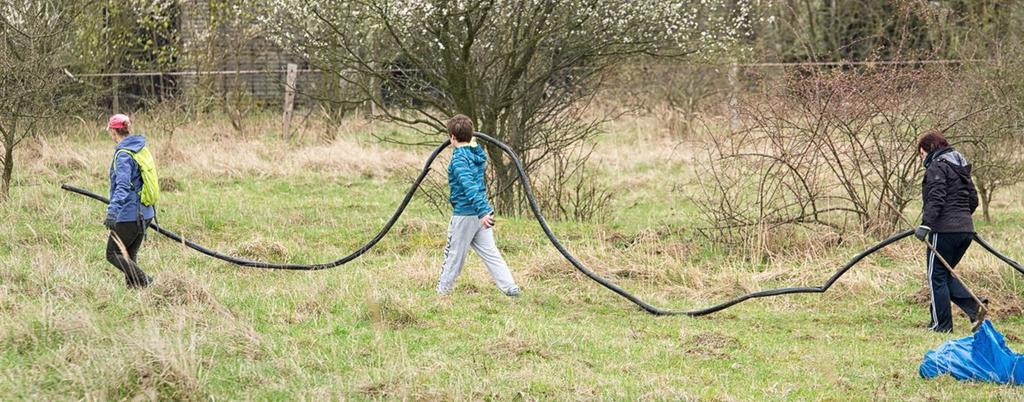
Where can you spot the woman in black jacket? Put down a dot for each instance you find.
(949, 200)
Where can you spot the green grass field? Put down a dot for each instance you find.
(374, 328)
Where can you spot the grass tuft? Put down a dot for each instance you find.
(262, 250)
(387, 310)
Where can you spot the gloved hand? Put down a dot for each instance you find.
(110, 222)
(921, 233)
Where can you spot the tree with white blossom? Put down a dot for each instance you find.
(523, 70)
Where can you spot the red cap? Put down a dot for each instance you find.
(119, 121)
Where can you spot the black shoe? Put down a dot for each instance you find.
(145, 282)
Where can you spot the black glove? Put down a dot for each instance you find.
(921, 233)
(110, 222)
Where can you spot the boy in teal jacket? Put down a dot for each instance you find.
(472, 216)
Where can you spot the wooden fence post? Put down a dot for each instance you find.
(734, 93)
(289, 98)
(117, 95)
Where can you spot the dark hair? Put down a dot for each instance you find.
(461, 127)
(932, 140)
(123, 131)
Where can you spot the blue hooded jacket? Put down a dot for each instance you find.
(466, 182)
(125, 183)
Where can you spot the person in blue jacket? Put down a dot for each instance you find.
(126, 218)
(472, 223)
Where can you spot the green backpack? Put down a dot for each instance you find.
(150, 190)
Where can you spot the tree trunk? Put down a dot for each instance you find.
(505, 176)
(5, 189)
(986, 200)
(985, 197)
(733, 103)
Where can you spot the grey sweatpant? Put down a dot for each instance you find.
(465, 232)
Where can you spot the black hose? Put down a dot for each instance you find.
(297, 267)
(532, 201)
(999, 255)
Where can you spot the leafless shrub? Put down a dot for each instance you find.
(222, 38)
(824, 150)
(35, 48)
(434, 189)
(332, 102)
(169, 115)
(680, 94)
(571, 190)
(991, 137)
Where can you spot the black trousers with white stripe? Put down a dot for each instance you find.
(944, 287)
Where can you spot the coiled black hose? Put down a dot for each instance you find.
(532, 201)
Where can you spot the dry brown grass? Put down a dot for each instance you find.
(193, 301)
(169, 185)
(176, 289)
(546, 265)
(261, 249)
(174, 366)
(156, 358)
(46, 326)
(385, 309)
(710, 344)
(198, 153)
(512, 344)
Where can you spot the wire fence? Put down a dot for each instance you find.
(256, 88)
(763, 64)
(128, 91)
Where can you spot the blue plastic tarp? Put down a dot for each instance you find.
(983, 356)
